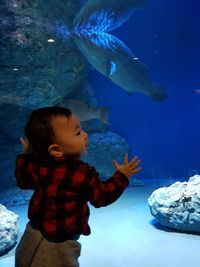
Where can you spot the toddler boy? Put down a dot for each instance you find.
(63, 185)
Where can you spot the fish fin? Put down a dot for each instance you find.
(104, 115)
(158, 93)
(113, 67)
(110, 68)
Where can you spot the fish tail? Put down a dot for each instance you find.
(103, 16)
(58, 28)
(62, 30)
(158, 93)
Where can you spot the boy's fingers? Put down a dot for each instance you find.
(134, 162)
(115, 163)
(125, 161)
(137, 170)
(134, 166)
(22, 140)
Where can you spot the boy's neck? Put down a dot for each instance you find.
(68, 157)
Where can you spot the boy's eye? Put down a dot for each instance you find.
(78, 133)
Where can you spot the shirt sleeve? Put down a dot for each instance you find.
(25, 171)
(102, 193)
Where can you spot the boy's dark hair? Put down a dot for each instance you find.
(39, 131)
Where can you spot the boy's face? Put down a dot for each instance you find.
(69, 138)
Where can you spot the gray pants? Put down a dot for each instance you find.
(34, 250)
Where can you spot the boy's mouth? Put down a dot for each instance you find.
(87, 142)
(86, 146)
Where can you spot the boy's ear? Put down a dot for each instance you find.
(55, 151)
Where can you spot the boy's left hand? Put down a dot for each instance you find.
(128, 168)
(25, 145)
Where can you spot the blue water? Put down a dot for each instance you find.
(165, 36)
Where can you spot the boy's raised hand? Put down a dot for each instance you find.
(25, 145)
(128, 168)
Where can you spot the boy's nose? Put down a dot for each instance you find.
(85, 135)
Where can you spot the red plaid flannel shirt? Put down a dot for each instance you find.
(58, 207)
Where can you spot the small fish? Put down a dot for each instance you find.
(197, 91)
(8, 99)
(85, 112)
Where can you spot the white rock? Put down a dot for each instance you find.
(178, 206)
(9, 229)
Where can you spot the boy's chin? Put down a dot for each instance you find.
(84, 153)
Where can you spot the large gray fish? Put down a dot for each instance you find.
(106, 53)
(119, 64)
